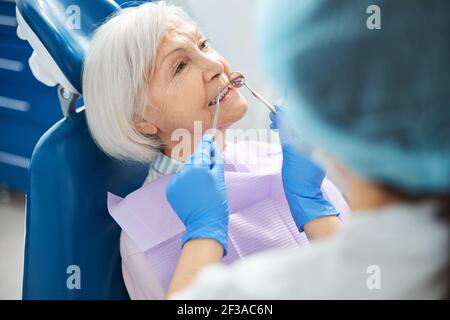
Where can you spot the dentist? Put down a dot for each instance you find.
(377, 102)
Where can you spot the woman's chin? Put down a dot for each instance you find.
(235, 113)
(241, 109)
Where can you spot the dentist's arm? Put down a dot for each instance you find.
(195, 256)
(302, 182)
(322, 227)
(197, 193)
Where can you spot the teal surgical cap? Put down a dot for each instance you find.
(369, 85)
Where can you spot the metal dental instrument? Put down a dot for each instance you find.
(216, 116)
(216, 111)
(237, 80)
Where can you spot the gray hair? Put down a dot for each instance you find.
(116, 76)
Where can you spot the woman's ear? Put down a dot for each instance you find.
(145, 127)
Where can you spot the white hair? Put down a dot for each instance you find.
(117, 70)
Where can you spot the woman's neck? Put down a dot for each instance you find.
(180, 150)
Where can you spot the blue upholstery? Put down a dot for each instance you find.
(38, 106)
(67, 222)
(48, 20)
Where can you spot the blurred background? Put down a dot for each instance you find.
(28, 109)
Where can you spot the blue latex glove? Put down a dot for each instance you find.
(197, 193)
(302, 178)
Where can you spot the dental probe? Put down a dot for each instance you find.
(237, 80)
(216, 111)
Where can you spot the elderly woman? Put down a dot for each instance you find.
(149, 72)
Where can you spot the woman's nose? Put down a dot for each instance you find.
(214, 69)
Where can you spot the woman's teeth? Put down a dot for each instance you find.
(220, 96)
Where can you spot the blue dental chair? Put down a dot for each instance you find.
(71, 244)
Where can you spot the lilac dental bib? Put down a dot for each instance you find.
(259, 214)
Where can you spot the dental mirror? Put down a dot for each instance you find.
(237, 80)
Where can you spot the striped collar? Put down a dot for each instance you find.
(162, 165)
(165, 165)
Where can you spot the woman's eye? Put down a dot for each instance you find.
(180, 67)
(204, 44)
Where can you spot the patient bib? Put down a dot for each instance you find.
(259, 213)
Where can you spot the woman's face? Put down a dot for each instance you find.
(188, 74)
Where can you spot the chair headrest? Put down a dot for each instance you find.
(59, 33)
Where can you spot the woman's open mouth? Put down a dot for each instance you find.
(223, 96)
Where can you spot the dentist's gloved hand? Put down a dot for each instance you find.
(302, 178)
(197, 193)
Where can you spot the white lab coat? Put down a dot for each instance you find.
(392, 253)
